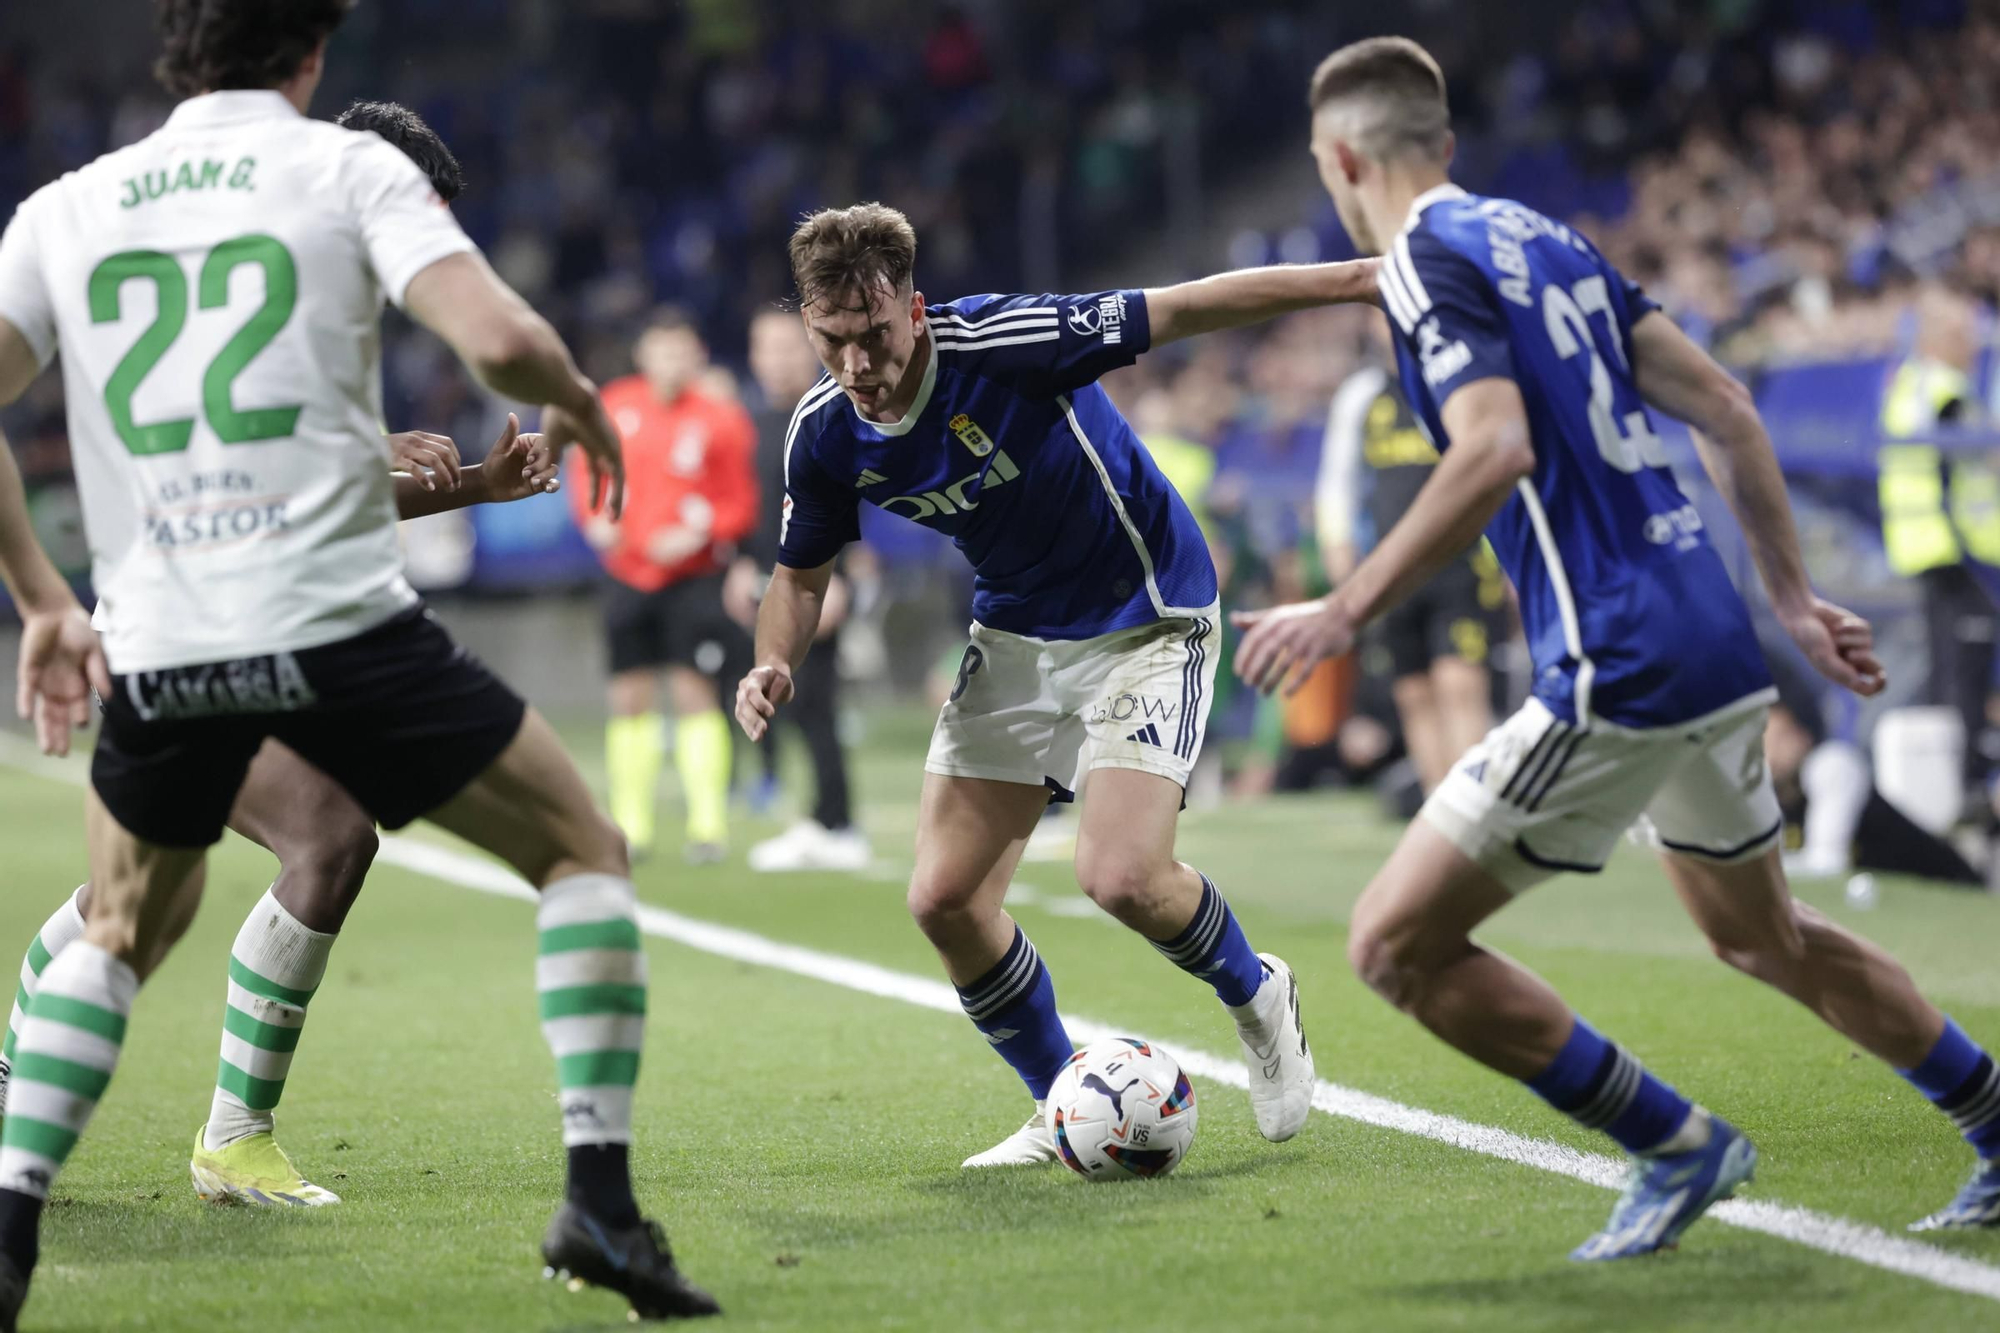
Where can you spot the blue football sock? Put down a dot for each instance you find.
(1965, 1084)
(1214, 949)
(1597, 1084)
(1014, 1006)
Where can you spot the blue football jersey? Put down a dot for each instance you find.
(1012, 450)
(1630, 615)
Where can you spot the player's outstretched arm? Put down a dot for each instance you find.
(1253, 295)
(1680, 379)
(1490, 453)
(61, 660)
(787, 623)
(513, 351)
(516, 467)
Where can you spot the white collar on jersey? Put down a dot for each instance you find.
(917, 405)
(1429, 197)
(231, 105)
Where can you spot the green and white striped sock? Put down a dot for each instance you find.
(57, 934)
(591, 974)
(63, 1057)
(274, 968)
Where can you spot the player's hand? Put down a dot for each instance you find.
(1282, 645)
(1839, 644)
(431, 459)
(518, 465)
(592, 431)
(61, 662)
(759, 696)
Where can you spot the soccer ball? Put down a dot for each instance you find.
(1122, 1108)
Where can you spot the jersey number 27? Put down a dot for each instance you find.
(232, 425)
(1567, 314)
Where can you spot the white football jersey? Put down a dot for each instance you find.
(216, 292)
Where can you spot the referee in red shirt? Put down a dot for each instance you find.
(690, 496)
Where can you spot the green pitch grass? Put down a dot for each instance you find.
(802, 1141)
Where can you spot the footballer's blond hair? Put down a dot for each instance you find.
(840, 255)
(1388, 94)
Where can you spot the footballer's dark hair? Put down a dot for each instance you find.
(405, 129)
(1390, 96)
(210, 45)
(841, 255)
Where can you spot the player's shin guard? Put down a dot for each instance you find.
(67, 1048)
(1014, 1007)
(1600, 1086)
(274, 967)
(57, 933)
(635, 749)
(701, 757)
(591, 975)
(1213, 948)
(1963, 1081)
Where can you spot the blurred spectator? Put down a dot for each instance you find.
(784, 367)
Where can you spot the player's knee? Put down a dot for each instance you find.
(939, 902)
(1382, 966)
(338, 858)
(1121, 884)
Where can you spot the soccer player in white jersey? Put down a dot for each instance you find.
(1533, 364)
(324, 842)
(215, 291)
(1094, 608)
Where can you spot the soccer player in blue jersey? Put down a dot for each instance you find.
(1532, 363)
(1094, 607)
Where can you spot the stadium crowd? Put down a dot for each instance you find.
(1781, 174)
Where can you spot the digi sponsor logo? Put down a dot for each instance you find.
(959, 497)
(1105, 320)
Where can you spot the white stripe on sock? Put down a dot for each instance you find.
(255, 1060)
(595, 1032)
(590, 967)
(576, 900)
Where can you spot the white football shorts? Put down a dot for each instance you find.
(1539, 796)
(1042, 711)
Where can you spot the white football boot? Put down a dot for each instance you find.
(809, 845)
(1274, 1048)
(1030, 1145)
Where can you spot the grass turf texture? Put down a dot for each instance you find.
(802, 1142)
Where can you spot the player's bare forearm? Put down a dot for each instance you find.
(1686, 383)
(414, 501)
(1490, 453)
(30, 575)
(788, 619)
(1253, 295)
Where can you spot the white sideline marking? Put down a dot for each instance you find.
(1818, 1231)
(1830, 1235)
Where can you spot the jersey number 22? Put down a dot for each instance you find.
(230, 424)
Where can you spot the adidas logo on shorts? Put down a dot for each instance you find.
(1146, 735)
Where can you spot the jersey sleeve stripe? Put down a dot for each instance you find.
(1015, 313)
(1407, 271)
(948, 342)
(1396, 298)
(816, 397)
(1022, 319)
